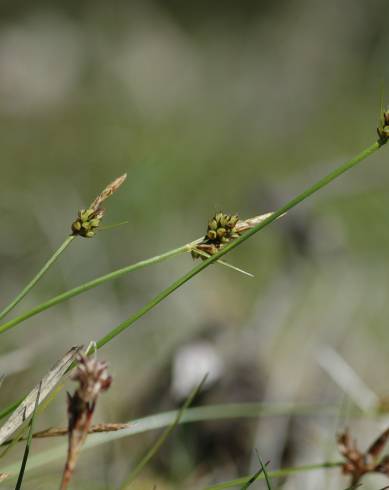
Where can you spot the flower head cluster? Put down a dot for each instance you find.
(93, 378)
(88, 220)
(220, 231)
(357, 463)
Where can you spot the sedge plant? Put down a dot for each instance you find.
(223, 235)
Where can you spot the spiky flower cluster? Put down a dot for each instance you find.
(88, 220)
(220, 231)
(383, 129)
(358, 463)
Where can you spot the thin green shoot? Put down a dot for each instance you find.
(28, 443)
(226, 264)
(265, 472)
(167, 432)
(337, 172)
(252, 480)
(229, 411)
(277, 474)
(92, 284)
(113, 225)
(232, 245)
(37, 277)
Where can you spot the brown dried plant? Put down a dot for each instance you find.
(93, 379)
(358, 463)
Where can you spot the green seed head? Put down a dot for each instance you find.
(220, 231)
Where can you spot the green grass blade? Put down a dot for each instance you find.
(214, 258)
(252, 480)
(154, 449)
(37, 277)
(191, 415)
(60, 298)
(28, 444)
(265, 472)
(276, 474)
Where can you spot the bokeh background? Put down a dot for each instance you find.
(208, 106)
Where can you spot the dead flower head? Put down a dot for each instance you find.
(88, 220)
(93, 378)
(357, 463)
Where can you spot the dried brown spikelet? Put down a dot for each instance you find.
(358, 463)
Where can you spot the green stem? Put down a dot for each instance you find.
(276, 474)
(214, 258)
(89, 285)
(185, 248)
(36, 278)
(162, 438)
(204, 264)
(166, 419)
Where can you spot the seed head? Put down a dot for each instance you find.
(221, 230)
(358, 463)
(88, 220)
(93, 378)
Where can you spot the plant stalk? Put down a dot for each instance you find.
(276, 474)
(92, 284)
(37, 277)
(214, 258)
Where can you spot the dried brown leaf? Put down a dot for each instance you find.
(48, 382)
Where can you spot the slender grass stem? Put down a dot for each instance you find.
(166, 419)
(91, 284)
(162, 438)
(214, 258)
(185, 248)
(276, 474)
(37, 277)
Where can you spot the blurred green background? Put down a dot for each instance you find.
(208, 106)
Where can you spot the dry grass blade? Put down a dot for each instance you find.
(48, 382)
(94, 429)
(107, 192)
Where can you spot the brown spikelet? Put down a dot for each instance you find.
(93, 378)
(358, 463)
(107, 192)
(93, 429)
